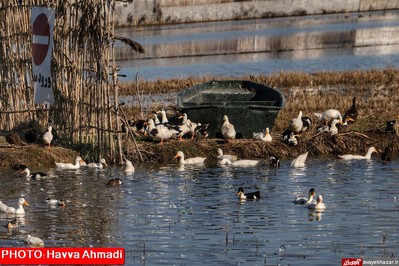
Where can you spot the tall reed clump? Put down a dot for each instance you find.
(83, 76)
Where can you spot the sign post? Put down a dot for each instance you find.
(42, 22)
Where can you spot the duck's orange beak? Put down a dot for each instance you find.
(177, 156)
(25, 203)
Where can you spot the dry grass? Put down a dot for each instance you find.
(377, 93)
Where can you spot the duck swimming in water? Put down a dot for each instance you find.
(29, 175)
(359, 157)
(11, 210)
(306, 200)
(194, 160)
(250, 195)
(319, 206)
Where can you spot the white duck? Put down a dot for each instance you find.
(329, 115)
(48, 136)
(263, 137)
(222, 156)
(99, 165)
(11, 210)
(194, 160)
(164, 118)
(306, 200)
(78, 160)
(29, 175)
(228, 130)
(359, 157)
(240, 163)
(185, 127)
(300, 160)
(160, 131)
(333, 127)
(34, 241)
(296, 124)
(319, 206)
(129, 168)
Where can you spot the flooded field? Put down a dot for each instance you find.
(336, 42)
(172, 215)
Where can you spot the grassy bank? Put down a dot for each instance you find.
(377, 93)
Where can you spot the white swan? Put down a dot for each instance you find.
(11, 210)
(48, 136)
(242, 163)
(34, 241)
(194, 160)
(296, 124)
(129, 168)
(228, 130)
(222, 156)
(319, 206)
(359, 157)
(306, 200)
(78, 160)
(300, 160)
(100, 164)
(263, 137)
(29, 175)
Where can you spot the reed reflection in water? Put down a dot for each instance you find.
(191, 215)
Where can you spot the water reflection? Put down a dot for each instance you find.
(168, 215)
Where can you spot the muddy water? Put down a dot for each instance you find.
(177, 216)
(252, 47)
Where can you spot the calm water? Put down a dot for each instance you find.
(310, 55)
(166, 215)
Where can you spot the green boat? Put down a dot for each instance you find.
(251, 107)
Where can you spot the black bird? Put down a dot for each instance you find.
(18, 166)
(274, 161)
(249, 195)
(14, 139)
(389, 126)
(350, 115)
(386, 154)
(30, 135)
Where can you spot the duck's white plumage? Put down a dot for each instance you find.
(296, 124)
(359, 157)
(29, 175)
(329, 115)
(222, 156)
(34, 241)
(100, 164)
(243, 163)
(11, 210)
(194, 160)
(319, 206)
(48, 136)
(78, 160)
(228, 130)
(160, 131)
(266, 137)
(300, 160)
(129, 167)
(333, 127)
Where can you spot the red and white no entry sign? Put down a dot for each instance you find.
(41, 39)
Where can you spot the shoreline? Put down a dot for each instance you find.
(378, 102)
